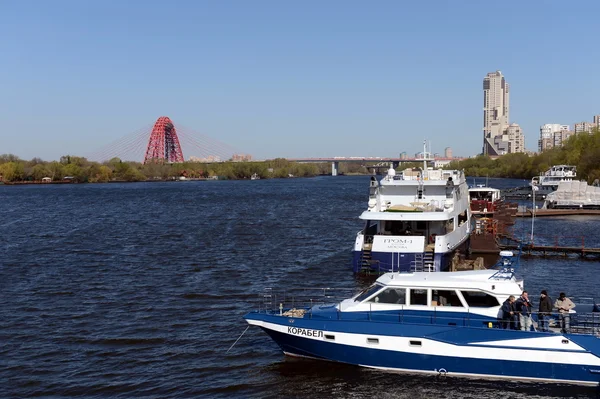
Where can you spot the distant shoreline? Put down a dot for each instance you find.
(41, 183)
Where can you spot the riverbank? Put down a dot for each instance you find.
(178, 180)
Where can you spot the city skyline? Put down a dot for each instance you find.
(286, 80)
(554, 134)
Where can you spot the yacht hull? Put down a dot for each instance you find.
(383, 262)
(434, 349)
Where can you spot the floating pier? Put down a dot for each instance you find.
(549, 246)
(557, 212)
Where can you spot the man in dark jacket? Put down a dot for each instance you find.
(508, 312)
(545, 311)
(523, 308)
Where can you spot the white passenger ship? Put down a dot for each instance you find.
(437, 323)
(415, 221)
(544, 184)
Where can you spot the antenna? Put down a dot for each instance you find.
(430, 152)
(534, 188)
(424, 155)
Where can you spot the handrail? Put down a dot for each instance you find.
(580, 323)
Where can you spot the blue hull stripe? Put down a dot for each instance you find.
(408, 361)
(454, 335)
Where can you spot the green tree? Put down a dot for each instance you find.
(40, 171)
(56, 170)
(134, 174)
(12, 171)
(100, 174)
(4, 158)
(74, 170)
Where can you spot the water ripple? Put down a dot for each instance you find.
(138, 290)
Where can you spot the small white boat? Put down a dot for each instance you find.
(544, 184)
(483, 200)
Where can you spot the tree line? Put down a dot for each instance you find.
(81, 170)
(581, 150)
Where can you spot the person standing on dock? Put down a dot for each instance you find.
(545, 310)
(523, 308)
(564, 305)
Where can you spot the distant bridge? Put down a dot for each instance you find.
(382, 162)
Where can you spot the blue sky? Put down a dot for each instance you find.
(290, 79)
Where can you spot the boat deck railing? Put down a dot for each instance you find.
(270, 300)
(325, 304)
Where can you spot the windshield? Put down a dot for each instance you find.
(367, 292)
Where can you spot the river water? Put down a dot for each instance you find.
(138, 290)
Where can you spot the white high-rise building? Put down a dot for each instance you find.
(499, 137)
(495, 110)
(553, 135)
(448, 152)
(584, 127)
(516, 140)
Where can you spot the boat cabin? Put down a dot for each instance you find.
(480, 292)
(414, 227)
(414, 203)
(562, 171)
(482, 200)
(415, 219)
(555, 175)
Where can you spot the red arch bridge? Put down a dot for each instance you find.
(165, 142)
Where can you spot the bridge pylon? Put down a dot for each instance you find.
(163, 145)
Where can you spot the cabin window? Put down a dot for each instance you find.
(421, 225)
(449, 226)
(462, 218)
(371, 228)
(367, 292)
(387, 228)
(478, 299)
(445, 298)
(394, 227)
(418, 297)
(396, 296)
